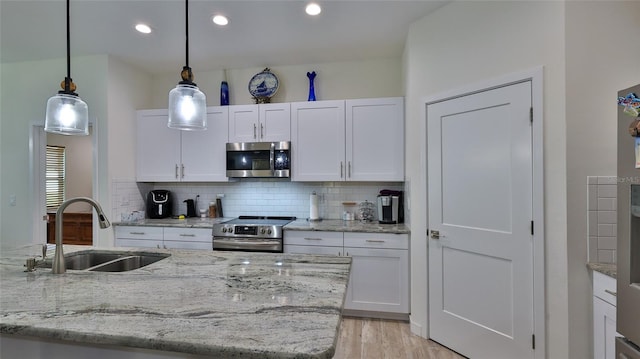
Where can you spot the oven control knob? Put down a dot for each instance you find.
(231, 230)
(269, 231)
(224, 229)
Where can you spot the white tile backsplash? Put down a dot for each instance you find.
(273, 197)
(602, 218)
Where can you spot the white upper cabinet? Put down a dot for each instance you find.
(375, 139)
(317, 141)
(169, 155)
(352, 140)
(260, 123)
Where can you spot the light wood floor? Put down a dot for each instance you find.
(385, 339)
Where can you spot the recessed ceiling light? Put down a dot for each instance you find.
(220, 20)
(313, 9)
(145, 29)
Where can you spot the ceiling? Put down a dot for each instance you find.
(260, 32)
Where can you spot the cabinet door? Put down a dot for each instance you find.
(379, 280)
(375, 139)
(204, 152)
(274, 122)
(317, 141)
(320, 250)
(604, 329)
(243, 123)
(188, 245)
(157, 148)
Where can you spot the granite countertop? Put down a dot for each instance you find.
(337, 225)
(609, 269)
(331, 225)
(220, 304)
(193, 222)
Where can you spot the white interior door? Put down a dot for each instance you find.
(479, 150)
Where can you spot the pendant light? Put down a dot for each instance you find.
(187, 104)
(66, 113)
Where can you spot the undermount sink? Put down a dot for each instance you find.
(109, 261)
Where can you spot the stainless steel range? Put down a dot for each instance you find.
(250, 233)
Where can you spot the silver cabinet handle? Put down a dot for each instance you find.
(182, 169)
(435, 234)
(349, 172)
(611, 292)
(176, 171)
(341, 172)
(254, 130)
(157, 245)
(375, 241)
(137, 233)
(261, 131)
(313, 239)
(187, 235)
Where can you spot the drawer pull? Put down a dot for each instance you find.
(187, 235)
(312, 239)
(137, 233)
(375, 241)
(611, 292)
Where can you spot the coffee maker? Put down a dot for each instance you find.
(390, 207)
(159, 204)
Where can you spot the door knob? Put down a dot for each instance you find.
(435, 234)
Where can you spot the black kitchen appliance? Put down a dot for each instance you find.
(191, 207)
(251, 234)
(159, 203)
(390, 207)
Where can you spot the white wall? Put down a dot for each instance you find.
(600, 62)
(128, 90)
(78, 167)
(334, 81)
(468, 42)
(26, 87)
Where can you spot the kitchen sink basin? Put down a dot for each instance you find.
(108, 261)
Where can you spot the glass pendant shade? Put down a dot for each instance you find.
(187, 108)
(67, 115)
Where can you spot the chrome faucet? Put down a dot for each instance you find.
(59, 266)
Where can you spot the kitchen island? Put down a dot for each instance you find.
(191, 304)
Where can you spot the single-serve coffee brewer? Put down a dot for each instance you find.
(390, 207)
(159, 204)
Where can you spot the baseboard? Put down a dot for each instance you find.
(378, 315)
(417, 329)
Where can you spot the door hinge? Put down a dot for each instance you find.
(533, 341)
(532, 228)
(531, 114)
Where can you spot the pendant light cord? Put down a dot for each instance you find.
(186, 5)
(67, 80)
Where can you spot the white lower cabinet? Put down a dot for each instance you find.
(604, 316)
(163, 237)
(379, 281)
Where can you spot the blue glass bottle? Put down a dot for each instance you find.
(224, 94)
(312, 92)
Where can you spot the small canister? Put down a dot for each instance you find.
(212, 209)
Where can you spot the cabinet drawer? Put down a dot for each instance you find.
(139, 243)
(313, 238)
(137, 232)
(188, 234)
(376, 240)
(320, 250)
(604, 287)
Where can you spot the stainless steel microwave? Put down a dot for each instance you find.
(259, 159)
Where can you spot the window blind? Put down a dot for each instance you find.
(55, 176)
